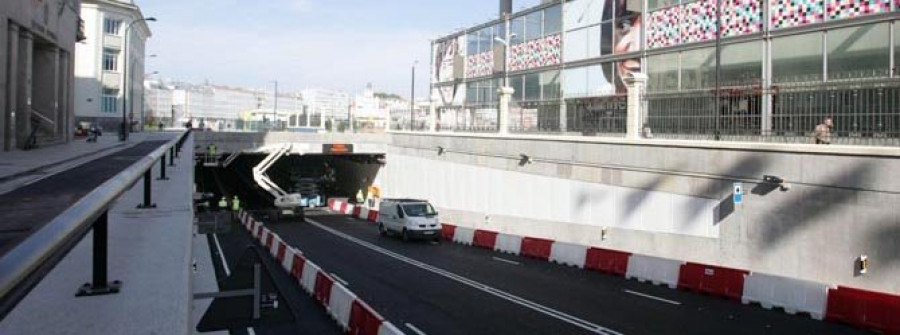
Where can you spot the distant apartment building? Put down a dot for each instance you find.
(370, 111)
(116, 34)
(37, 45)
(327, 106)
(224, 108)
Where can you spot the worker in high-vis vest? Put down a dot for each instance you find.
(359, 197)
(236, 204)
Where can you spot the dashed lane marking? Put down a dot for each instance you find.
(644, 295)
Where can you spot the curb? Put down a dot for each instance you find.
(860, 308)
(352, 314)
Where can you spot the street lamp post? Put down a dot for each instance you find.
(123, 134)
(275, 109)
(412, 97)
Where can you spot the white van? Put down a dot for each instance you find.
(409, 218)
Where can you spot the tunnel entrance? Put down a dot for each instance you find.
(330, 176)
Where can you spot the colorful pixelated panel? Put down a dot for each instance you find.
(663, 28)
(741, 17)
(537, 53)
(845, 9)
(699, 21)
(480, 65)
(794, 13)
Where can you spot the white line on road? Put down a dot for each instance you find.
(340, 280)
(506, 261)
(221, 255)
(227, 271)
(653, 297)
(414, 329)
(575, 321)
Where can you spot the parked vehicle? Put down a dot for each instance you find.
(410, 218)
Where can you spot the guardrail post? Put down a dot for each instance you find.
(162, 168)
(99, 285)
(148, 201)
(172, 156)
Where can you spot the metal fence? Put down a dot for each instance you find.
(864, 113)
(470, 119)
(534, 117)
(603, 116)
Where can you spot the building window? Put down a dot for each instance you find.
(797, 58)
(109, 100)
(111, 26)
(859, 52)
(110, 60)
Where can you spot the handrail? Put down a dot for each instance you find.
(30, 261)
(40, 117)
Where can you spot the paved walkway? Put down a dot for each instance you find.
(149, 251)
(16, 163)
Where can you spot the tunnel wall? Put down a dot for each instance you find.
(671, 199)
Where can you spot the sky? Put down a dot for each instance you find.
(333, 44)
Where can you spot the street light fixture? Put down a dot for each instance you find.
(123, 133)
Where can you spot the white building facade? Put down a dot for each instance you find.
(100, 66)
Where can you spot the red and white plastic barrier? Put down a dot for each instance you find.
(463, 235)
(351, 314)
(568, 254)
(659, 271)
(792, 295)
(510, 244)
(865, 309)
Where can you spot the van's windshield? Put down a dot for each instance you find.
(419, 210)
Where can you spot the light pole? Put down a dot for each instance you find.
(412, 97)
(123, 134)
(275, 109)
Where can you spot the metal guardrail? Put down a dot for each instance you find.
(29, 262)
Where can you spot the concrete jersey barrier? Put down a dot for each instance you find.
(792, 295)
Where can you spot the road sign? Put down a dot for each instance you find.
(738, 194)
(337, 149)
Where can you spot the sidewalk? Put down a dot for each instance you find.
(149, 251)
(16, 163)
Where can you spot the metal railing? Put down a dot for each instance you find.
(865, 112)
(23, 267)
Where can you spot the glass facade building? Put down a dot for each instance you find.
(754, 70)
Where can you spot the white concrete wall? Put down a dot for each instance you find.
(495, 192)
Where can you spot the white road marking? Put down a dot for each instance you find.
(227, 271)
(414, 329)
(506, 261)
(653, 297)
(340, 280)
(575, 321)
(221, 255)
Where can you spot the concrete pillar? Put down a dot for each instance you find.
(563, 117)
(432, 116)
(636, 113)
(23, 88)
(65, 114)
(503, 119)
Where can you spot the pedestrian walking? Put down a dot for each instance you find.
(823, 131)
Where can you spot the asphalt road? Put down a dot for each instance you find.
(448, 288)
(25, 210)
(297, 313)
